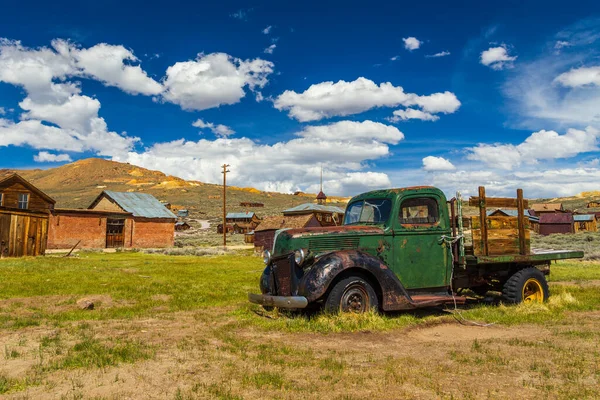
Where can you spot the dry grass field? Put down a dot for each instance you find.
(179, 327)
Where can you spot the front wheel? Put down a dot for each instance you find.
(528, 285)
(353, 294)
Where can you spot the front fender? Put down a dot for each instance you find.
(317, 280)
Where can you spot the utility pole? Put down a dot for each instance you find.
(225, 171)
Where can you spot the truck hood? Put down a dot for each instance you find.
(334, 230)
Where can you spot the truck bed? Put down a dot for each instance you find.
(536, 256)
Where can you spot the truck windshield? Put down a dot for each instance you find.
(371, 211)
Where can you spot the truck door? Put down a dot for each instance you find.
(421, 260)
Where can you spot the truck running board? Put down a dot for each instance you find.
(432, 300)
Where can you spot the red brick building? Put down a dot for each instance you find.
(114, 219)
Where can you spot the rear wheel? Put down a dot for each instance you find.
(353, 294)
(528, 285)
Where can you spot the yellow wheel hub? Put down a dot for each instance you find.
(532, 291)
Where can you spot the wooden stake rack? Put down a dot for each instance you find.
(500, 235)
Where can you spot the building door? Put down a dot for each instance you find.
(115, 232)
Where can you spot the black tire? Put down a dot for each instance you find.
(352, 294)
(526, 285)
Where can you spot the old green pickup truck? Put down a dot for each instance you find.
(402, 249)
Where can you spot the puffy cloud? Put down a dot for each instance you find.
(411, 43)
(432, 163)
(77, 124)
(580, 77)
(267, 30)
(270, 49)
(44, 156)
(343, 148)
(411, 113)
(354, 131)
(219, 129)
(329, 99)
(213, 80)
(105, 63)
(440, 54)
(497, 58)
(541, 145)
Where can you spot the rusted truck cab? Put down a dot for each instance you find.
(396, 250)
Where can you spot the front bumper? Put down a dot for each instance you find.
(278, 301)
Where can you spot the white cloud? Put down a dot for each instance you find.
(267, 30)
(432, 163)
(580, 77)
(354, 131)
(411, 43)
(2, 111)
(105, 63)
(213, 80)
(219, 130)
(395, 58)
(440, 54)
(270, 49)
(541, 145)
(78, 126)
(497, 58)
(329, 99)
(344, 149)
(241, 14)
(560, 44)
(44, 156)
(411, 113)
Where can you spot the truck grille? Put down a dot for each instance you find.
(282, 273)
(331, 244)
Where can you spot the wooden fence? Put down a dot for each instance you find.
(23, 233)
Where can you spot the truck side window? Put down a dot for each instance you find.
(420, 210)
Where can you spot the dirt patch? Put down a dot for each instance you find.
(582, 283)
(162, 297)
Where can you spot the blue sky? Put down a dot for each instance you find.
(378, 93)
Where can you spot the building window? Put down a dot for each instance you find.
(1, 199)
(23, 201)
(421, 210)
(328, 218)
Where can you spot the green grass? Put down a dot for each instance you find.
(589, 242)
(141, 285)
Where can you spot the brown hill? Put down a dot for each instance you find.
(77, 184)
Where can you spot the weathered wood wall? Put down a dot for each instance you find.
(586, 226)
(11, 191)
(23, 233)
(503, 235)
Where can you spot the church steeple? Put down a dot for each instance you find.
(321, 198)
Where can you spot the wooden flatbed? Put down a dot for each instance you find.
(538, 256)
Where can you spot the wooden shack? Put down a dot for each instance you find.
(594, 204)
(182, 226)
(242, 222)
(556, 223)
(544, 208)
(585, 223)
(325, 215)
(251, 205)
(24, 217)
(264, 234)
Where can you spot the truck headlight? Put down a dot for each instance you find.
(299, 256)
(266, 257)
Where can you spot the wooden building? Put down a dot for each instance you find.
(585, 223)
(251, 205)
(264, 234)
(242, 222)
(594, 204)
(182, 226)
(325, 215)
(556, 223)
(114, 220)
(543, 208)
(24, 215)
(534, 222)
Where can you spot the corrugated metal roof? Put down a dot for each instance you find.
(547, 207)
(240, 215)
(313, 207)
(509, 212)
(140, 204)
(557, 218)
(584, 217)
